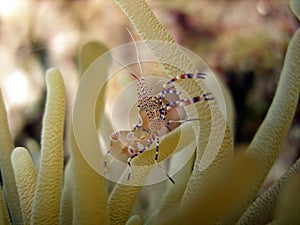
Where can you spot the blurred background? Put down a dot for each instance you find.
(243, 41)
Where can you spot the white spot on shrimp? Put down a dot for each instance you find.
(140, 146)
(115, 136)
(130, 136)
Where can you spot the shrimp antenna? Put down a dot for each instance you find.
(128, 68)
(136, 51)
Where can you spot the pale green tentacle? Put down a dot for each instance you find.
(9, 184)
(84, 195)
(4, 217)
(263, 208)
(46, 205)
(295, 6)
(26, 178)
(134, 220)
(289, 203)
(88, 191)
(219, 194)
(272, 132)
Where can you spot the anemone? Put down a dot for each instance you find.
(209, 190)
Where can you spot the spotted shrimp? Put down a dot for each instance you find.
(153, 111)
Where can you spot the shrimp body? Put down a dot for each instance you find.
(153, 110)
